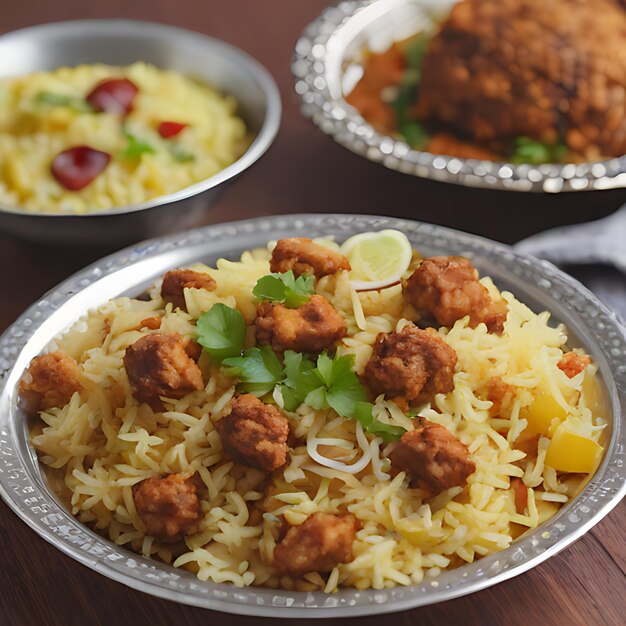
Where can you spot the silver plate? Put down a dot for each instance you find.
(332, 44)
(130, 271)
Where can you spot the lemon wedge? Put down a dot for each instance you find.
(378, 259)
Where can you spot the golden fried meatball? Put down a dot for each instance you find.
(176, 281)
(169, 507)
(573, 364)
(320, 543)
(448, 289)
(413, 364)
(433, 458)
(255, 434)
(158, 365)
(312, 327)
(54, 378)
(303, 256)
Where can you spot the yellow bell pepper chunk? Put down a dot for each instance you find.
(541, 413)
(570, 452)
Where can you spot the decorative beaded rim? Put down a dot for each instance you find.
(129, 271)
(317, 68)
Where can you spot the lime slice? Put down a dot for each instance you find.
(378, 259)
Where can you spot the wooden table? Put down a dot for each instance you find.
(303, 171)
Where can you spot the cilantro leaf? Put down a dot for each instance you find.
(136, 147)
(285, 288)
(221, 332)
(363, 413)
(343, 387)
(258, 370)
(301, 378)
(343, 392)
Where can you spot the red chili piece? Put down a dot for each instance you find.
(171, 129)
(76, 167)
(113, 95)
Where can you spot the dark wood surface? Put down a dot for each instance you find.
(304, 171)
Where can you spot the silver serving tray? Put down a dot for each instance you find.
(324, 59)
(129, 272)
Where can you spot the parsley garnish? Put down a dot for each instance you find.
(285, 288)
(221, 332)
(341, 388)
(301, 378)
(258, 370)
(136, 147)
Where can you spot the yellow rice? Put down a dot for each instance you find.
(100, 451)
(32, 133)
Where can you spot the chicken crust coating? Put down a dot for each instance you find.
(169, 506)
(255, 434)
(573, 364)
(55, 379)
(303, 256)
(433, 458)
(501, 69)
(412, 364)
(320, 543)
(176, 281)
(447, 288)
(312, 327)
(158, 365)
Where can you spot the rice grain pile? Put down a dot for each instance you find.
(103, 442)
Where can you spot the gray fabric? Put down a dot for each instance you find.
(594, 253)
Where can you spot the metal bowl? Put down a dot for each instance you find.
(538, 283)
(330, 48)
(122, 42)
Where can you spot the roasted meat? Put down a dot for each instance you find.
(552, 70)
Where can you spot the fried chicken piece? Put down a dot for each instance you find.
(303, 256)
(447, 288)
(169, 506)
(413, 364)
(573, 364)
(176, 281)
(158, 365)
(312, 327)
(500, 393)
(55, 379)
(320, 543)
(255, 434)
(433, 458)
(502, 69)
